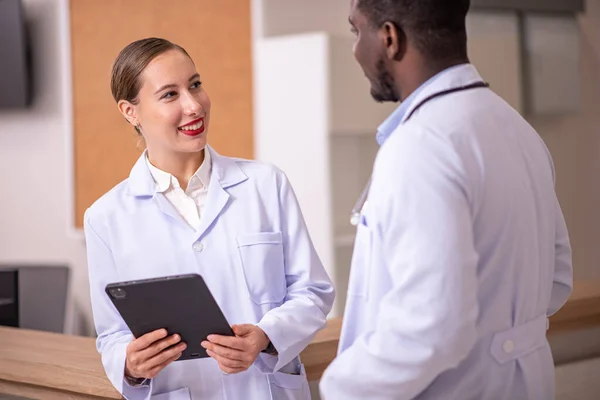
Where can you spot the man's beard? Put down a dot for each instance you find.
(384, 90)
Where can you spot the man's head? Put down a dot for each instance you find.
(395, 36)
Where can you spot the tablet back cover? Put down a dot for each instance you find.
(181, 304)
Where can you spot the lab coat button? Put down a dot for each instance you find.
(508, 346)
(198, 246)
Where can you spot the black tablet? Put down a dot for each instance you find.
(181, 304)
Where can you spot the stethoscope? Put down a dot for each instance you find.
(362, 200)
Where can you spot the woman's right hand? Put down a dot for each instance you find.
(147, 355)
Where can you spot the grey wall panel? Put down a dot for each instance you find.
(43, 297)
(531, 5)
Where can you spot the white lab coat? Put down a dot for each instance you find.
(461, 255)
(254, 252)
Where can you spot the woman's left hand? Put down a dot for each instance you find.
(237, 353)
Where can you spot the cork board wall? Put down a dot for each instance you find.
(217, 35)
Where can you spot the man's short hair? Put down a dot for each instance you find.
(435, 27)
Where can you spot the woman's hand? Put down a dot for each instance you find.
(147, 355)
(237, 353)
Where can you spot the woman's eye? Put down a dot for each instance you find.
(168, 95)
(354, 31)
(196, 85)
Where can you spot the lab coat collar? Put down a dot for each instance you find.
(224, 170)
(391, 123)
(455, 77)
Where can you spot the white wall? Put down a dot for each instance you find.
(282, 17)
(574, 142)
(34, 160)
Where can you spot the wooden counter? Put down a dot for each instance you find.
(49, 366)
(581, 311)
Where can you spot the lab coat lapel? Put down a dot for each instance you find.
(225, 173)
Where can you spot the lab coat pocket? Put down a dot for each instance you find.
(179, 394)
(286, 386)
(263, 266)
(361, 263)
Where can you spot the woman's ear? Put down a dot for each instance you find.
(128, 111)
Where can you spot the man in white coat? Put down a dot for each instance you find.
(462, 251)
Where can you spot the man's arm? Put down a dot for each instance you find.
(420, 216)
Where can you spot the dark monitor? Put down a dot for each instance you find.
(14, 56)
(9, 297)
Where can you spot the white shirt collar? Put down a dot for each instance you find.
(165, 180)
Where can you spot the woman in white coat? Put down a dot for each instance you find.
(186, 209)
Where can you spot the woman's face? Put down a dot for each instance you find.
(173, 110)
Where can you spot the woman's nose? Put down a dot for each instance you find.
(191, 105)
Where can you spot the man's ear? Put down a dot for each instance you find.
(394, 41)
(128, 111)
